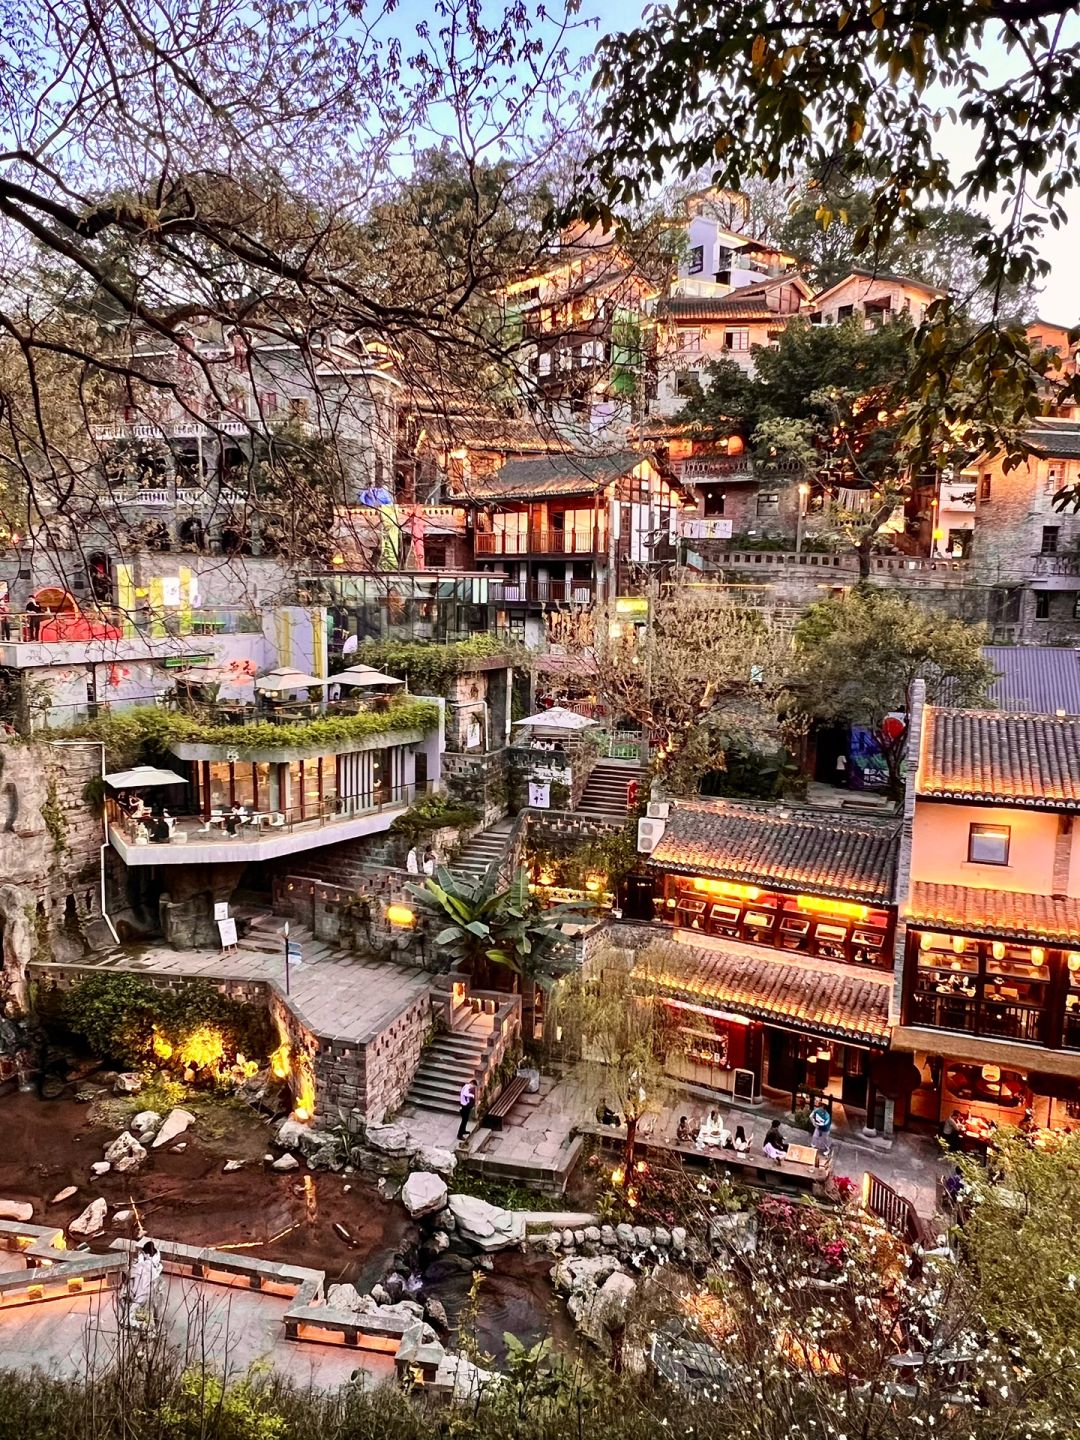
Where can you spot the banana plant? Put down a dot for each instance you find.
(483, 925)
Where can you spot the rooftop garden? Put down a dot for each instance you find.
(430, 667)
(146, 732)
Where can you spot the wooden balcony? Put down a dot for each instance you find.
(540, 542)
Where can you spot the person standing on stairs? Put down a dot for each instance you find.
(467, 1099)
(429, 861)
(412, 861)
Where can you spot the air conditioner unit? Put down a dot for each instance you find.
(648, 835)
(658, 809)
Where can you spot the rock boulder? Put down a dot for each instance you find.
(16, 1210)
(483, 1225)
(125, 1153)
(175, 1123)
(92, 1219)
(423, 1193)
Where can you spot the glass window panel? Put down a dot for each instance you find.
(220, 780)
(244, 785)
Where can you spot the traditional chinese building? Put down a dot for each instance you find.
(787, 916)
(988, 946)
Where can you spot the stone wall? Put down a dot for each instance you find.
(391, 1059)
(480, 780)
(50, 849)
(343, 1080)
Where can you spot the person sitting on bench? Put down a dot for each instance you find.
(775, 1145)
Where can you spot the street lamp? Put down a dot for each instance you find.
(804, 493)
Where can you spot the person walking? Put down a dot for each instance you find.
(5, 616)
(429, 861)
(467, 1099)
(820, 1127)
(412, 861)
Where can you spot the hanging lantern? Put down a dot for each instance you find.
(999, 950)
(1074, 960)
(1038, 955)
(958, 944)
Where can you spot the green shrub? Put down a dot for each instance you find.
(433, 813)
(119, 1016)
(430, 668)
(146, 732)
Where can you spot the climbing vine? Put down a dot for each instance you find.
(52, 813)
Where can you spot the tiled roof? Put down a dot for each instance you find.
(789, 850)
(554, 475)
(1012, 915)
(728, 307)
(822, 999)
(999, 759)
(1055, 438)
(1036, 679)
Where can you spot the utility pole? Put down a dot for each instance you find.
(804, 491)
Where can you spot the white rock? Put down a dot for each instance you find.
(379, 1295)
(613, 1298)
(678, 1238)
(231, 1165)
(347, 1297)
(592, 1234)
(423, 1193)
(467, 1382)
(92, 1219)
(290, 1133)
(145, 1123)
(130, 1083)
(16, 1210)
(624, 1234)
(404, 1309)
(175, 1123)
(583, 1273)
(121, 1217)
(642, 1236)
(390, 1139)
(100, 1167)
(64, 1194)
(125, 1153)
(486, 1226)
(661, 1237)
(432, 1157)
(181, 1146)
(440, 1242)
(286, 1162)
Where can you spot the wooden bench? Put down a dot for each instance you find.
(504, 1102)
(755, 1169)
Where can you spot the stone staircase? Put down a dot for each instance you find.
(453, 1057)
(604, 796)
(485, 849)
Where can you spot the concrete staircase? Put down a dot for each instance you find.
(604, 796)
(452, 1058)
(485, 849)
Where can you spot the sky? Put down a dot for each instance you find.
(1059, 299)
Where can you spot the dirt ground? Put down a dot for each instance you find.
(185, 1195)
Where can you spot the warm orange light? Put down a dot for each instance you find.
(1038, 955)
(999, 951)
(299, 1113)
(832, 907)
(594, 883)
(618, 1175)
(958, 944)
(162, 1047)
(279, 1061)
(400, 915)
(991, 1074)
(1074, 960)
(727, 887)
(546, 877)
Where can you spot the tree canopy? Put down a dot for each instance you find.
(858, 656)
(778, 90)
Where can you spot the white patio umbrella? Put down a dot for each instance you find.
(284, 678)
(557, 718)
(143, 775)
(361, 675)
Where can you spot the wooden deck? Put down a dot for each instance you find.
(753, 1169)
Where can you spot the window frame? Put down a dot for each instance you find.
(695, 264)
(996, 832)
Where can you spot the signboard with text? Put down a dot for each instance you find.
(711, 527)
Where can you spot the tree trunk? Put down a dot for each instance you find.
(863, 550)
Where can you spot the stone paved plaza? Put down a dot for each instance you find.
(332, 993)
(233, 1325)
